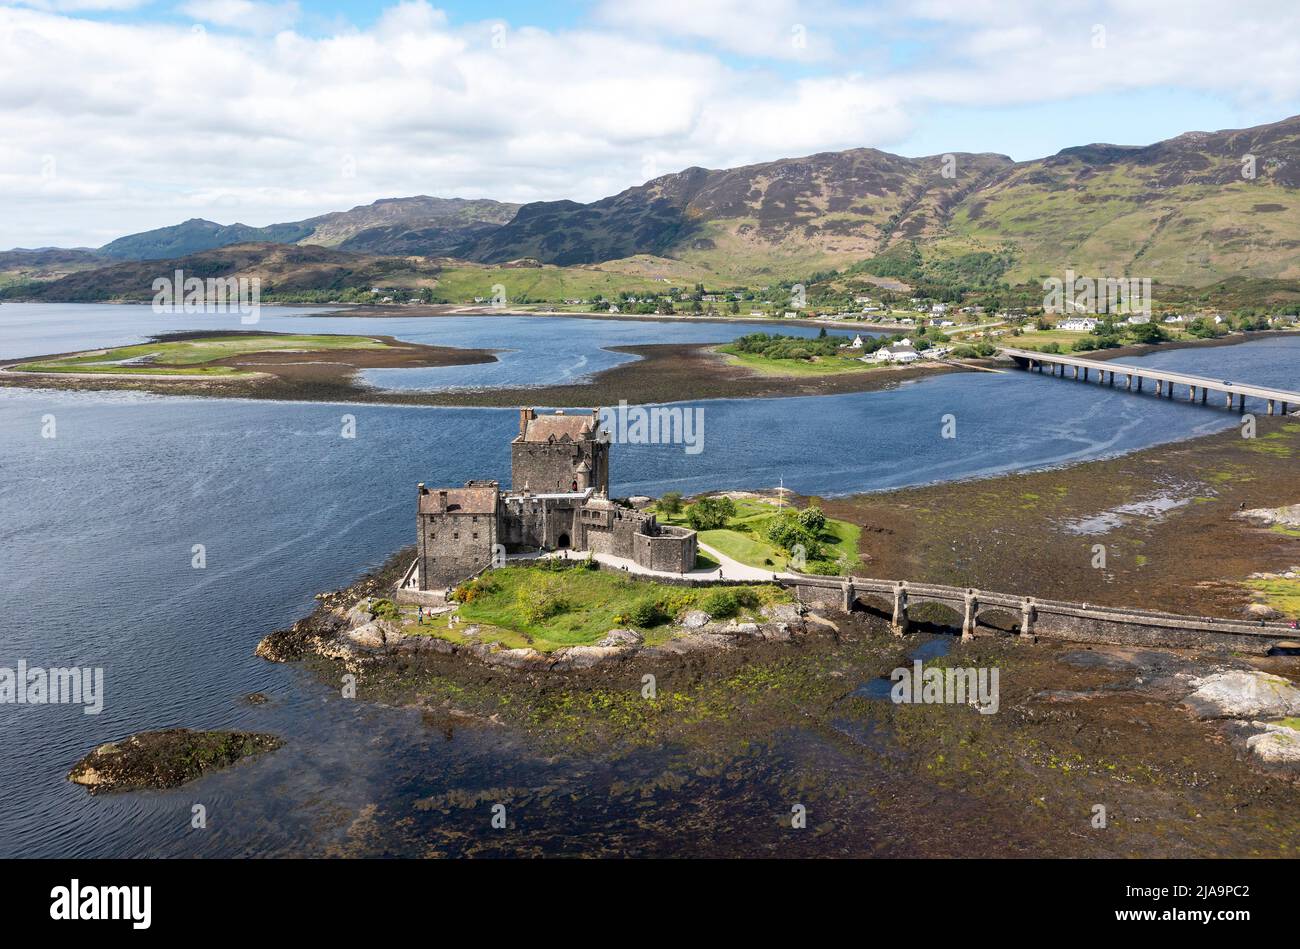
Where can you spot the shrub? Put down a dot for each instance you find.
(646, 613)
(720, 603)
(542, 600)
(385, 609)
(812, 519)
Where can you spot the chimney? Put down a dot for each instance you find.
(525, 416)
(442, 500)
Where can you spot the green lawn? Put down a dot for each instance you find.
(820, 366)
(190, 356)
(744, 539)
(547, 609)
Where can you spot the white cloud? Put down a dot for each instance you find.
(246, 15)
(150, 123)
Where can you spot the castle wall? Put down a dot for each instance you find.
(528, 523)
(673, 550)
(454, 546)
(550, 466)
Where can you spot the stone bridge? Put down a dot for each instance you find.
(1031, 617)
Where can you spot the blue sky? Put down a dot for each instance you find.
(127, 114)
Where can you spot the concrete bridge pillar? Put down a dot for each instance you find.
(1270, 406)
(1191, 393)
(1076, 372)
(1027, 616)
(1204, 393)
(968, 620)
(1128, 382)
(1229, 400)
(1139, 378)
(899, 624)
(847, 595)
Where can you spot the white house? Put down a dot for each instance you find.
(856, 344)
(1082, 324)
(896, 353)
(1138, 319)
(1174, 319)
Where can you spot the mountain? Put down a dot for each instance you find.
(420, 225)
(195, 235)
(1179, 211)
(1194, 211)
(282, 269)
(834, 205)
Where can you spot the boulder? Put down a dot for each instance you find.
(782, 612)
(1244, 694)
(1262, 611)
(621, 637)
(370, 635)
(584, 657)
(696, 619)
(1279, 744)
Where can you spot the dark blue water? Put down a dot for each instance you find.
(97, 527)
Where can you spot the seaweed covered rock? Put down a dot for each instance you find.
(165, 759)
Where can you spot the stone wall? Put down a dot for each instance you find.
(529, 523)
(453, 546)
(672, 550)
(550, 466)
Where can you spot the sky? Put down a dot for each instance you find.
(123, 115)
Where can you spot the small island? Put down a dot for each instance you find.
(165, 759)
(235, 364)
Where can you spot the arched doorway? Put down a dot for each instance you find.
(562, 542)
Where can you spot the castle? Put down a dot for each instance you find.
(559, 500)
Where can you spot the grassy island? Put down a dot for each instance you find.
(201, 356)
(556, 603)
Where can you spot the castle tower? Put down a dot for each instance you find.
(560, 453)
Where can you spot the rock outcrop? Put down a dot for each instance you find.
(165, 759)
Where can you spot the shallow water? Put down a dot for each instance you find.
(98, 526)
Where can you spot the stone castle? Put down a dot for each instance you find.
(558, 500)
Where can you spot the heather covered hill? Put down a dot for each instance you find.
(420, 225)
(282, 269)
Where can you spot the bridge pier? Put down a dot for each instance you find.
(900, 623)
(1229, 400)
(1270, 406)
(968, 620)
(1027, 616)
(1204, 392)
(1139, 383)
(1160, 388)
(1191, 393)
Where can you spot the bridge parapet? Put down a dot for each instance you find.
(1081, 622)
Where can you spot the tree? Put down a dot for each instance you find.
(708, 514)
(671, 503)
(813, 520)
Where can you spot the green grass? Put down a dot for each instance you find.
(590, 604)
(1283, 595)
(190, 357)
(825, 365)
(744, 539)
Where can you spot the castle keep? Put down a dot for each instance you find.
(558, 500)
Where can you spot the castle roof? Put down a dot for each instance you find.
(479, 499)
(541, 428)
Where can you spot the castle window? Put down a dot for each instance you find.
(456, 536)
